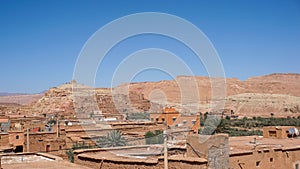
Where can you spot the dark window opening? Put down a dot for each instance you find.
(163, 119)
(19, 149)
(296, 166)
(272, 134)
(271, 159)
(17, 137)
(257, 163)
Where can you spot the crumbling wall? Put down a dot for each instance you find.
(212, 147)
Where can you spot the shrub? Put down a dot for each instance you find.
(155, 137)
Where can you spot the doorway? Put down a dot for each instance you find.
(47, 148)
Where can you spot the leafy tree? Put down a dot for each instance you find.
(155, 137)
(227, 117)
(113, 139)
(51, 122)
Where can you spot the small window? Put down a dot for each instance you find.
(257, 163)
(163, 119)
(271, 159)
(297, 166)
(174, 119)
(184, 122)
(17, 137)
(272, 134)
(156, 119)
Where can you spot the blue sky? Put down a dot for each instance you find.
(40, 40)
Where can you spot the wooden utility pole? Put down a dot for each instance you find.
(1, 162)
(165, 150)
(57, 127)
(27, 139)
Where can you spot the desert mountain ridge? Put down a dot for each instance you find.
(277, 94)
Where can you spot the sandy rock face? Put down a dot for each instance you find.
(276, 93)
(65, 99)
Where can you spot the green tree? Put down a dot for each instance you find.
(51, 122)
(113, 139)
(155, 137)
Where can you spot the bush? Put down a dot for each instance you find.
(155, 137)
(51, 122)
(70, 154)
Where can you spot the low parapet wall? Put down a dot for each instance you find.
(157, 163)
(107, 158)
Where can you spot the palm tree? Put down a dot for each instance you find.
(113, 139)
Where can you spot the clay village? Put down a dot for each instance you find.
(160, 84)
(255, 129)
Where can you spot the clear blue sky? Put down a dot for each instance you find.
(41, 39)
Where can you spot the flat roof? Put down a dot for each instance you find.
(36, 161)
(245, 143)
(147, 154)
(44, 165)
